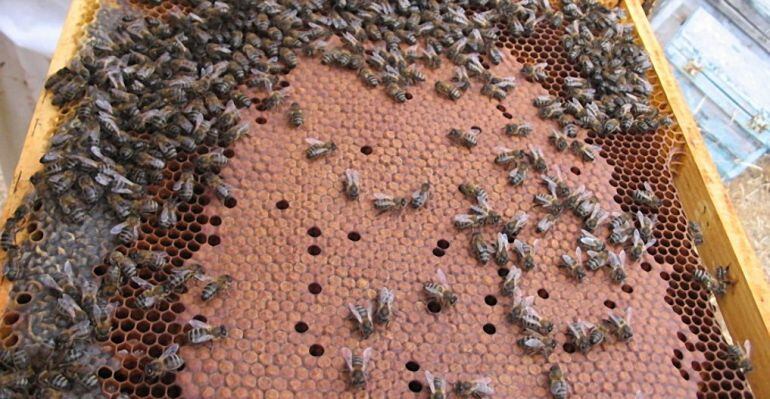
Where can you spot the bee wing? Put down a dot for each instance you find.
(385, 296)
(118, 228)
(502, 242)
(313, 141)
(579, 255)
(649, 243)
(381, 196)
(528, 301)
(369, 311)
(429, 378)
(441, 277)
(142, 282)
(69, 304)
(514, 273)
(483, 385)
(49, 282)
(172, 349)
(366, 356)
(348, 356)
(747, 348)
(535, 245)
(519, 246)
(68, 271)
(622, 257)
(637, 237)
(355, 313)
(629, 314)
(195, 323)
(647, 186)
(352, 176)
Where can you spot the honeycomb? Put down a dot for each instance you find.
(299, 252)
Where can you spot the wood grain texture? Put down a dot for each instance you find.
(746, 307)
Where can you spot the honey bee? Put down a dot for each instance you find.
(90, 191)
(526, 253)
(356, 367)
(545, 223)
(128, 231)
(363, 317)
(384, 311)
(618, 326)
(168, 362)
(596, 259)
(216, 286)
(440, 292)
(617, 266)
(396, 92)
(152, 259)
(483, 214)
(208, 161)
(473, 192)
(465, 139)
(587, 153)
(741, 356)
(387, 203)
(588, 241)
(558, 140)
(101, 317)
(437, 386)
(557, 383)
(535, 73)
(8, 235)
(501, 249)
(695, 232)
(151, 295)
(168, 217)
(571, 130)
(556, 184)
(351, 184)
(318, 149)
(646, 197)
(515, 225)
(69, 309)
(508, 157)
(369, 77)
(517, 175)
(536, 158)
(576, 198)
(479, 248)
(420, 197)
(511, 282)
(126, 265)
(584, 335)
(550, 202)
(534, 344)
(273, 100)
(461, 79)
(18, 379)
(595, 219)
(574, 266)
(448, 90)
(479, 388)
(638, 246)
(518, 129)
(201, 332)
(179, 277)
(184, 186)
(296, 115)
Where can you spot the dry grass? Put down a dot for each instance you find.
(750, 193)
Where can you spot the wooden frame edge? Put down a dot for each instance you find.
(746, 306)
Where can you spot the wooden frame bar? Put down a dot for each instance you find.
(746, 308)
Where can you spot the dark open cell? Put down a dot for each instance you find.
(575, 170)
(489, 328)
(314, 250)
(443, 244)
(543, 293)
(301, 327)
(434, 307)
(316, 350)
(412, 366)
(314, 231)
(282, 204)
(610, 304)
(314, 288)
(502, 272)
(438, 252)
(367, 150)
(415, 386)
(490, 300)
(354, 236)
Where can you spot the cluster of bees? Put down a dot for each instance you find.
(151, 89)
